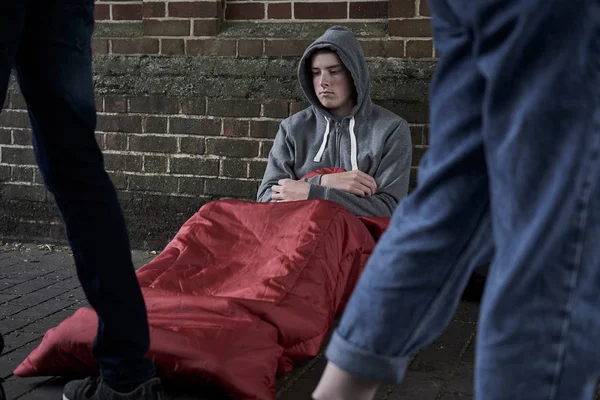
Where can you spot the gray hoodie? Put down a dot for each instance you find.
(371, 139)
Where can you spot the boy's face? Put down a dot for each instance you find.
(332, 83)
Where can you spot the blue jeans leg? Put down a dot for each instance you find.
(516, 84)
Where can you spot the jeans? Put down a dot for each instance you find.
(513, 166)
(48, 41)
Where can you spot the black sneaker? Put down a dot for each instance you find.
(96, 389)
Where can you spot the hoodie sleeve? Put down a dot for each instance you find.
(392, 178)
(279, 164)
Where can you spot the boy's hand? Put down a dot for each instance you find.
(355, 182)
(290, 190)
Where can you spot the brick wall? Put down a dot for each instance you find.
(190, 95)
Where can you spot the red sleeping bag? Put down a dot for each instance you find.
(242, 293)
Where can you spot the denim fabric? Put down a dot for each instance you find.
(512, 171)
(48, 41)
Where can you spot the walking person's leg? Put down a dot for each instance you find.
(12, 20)
(412, 283)
(540, 316)
(54, 66)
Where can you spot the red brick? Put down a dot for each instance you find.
(250, 47)
(154, 10)
(211, 47)
(172, 46)
(410, 27)
(321, 10)
(115, 104)
(207, 27)
(245, 11)
(100, 46)
(135, 46)
(383, 48)
(130, 12)
(235, 127)
(193, 9)
(275, 109)
(102, 12)
(369, 10)
(402, 8)
(279, 11)
(286, 47)
(115, 141)
(424, 9)
(419, 49)
(298, 106)
(152, 27)
(233, 108)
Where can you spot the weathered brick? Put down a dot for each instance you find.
(194, 166)
(416, 135)
(279, 11)
(235, 127)
(4, 173)
(250, 47)
(153, 183)
(419, 49)
(155, 164)
(22, 174)
(244, 11)
(135, 46)
(115, 104)
(424, 9)
(192, 145)
(207, 27)
(153, 144)
(264, 129)
(232, 147)
(120, 30)
(410, 27)
(426, 135)
(119, 123)
(119, 179)
(123, 162)
(131, 12)
(275, 109)
(115, 141)
(417, 154)
(17, 101)
(257, 169)
(231, 187)
(265, 148)
(233, 108)
(100, 46)
(321, 10)
(383, 48)
(21, 137)
(153, 105)
(23, 192)
(369, 10)
(172, 46)
(298, 106)
(191, 185)
(5, 136)
(14, 119)
(402, 9)
(234, 168)
(153, 10)
(211, 47)
(17, 155)
(204, 126)
(101, 12)
(286, 47)
(193, 106)
(152, 27)
(154, 124)
(193, 9)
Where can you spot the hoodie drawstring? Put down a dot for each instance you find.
(353, 150)
(353, 160)
(322, 149)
